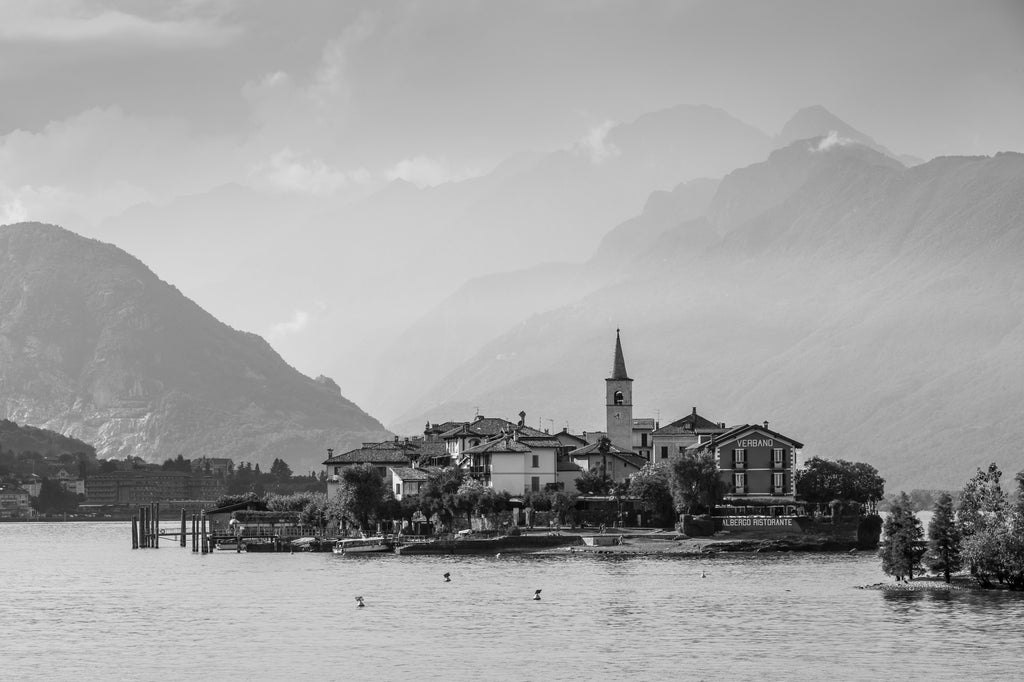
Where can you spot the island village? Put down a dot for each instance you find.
(496, 484)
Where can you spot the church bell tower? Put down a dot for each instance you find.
(619, 392)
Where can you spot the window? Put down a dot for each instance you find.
(337, 470)
(474, 442)
(536, 461)
(664, 452)
(535, 484)
(618, 399)
(398, 488)
(778, 480)
(739, 479)
(777, 455)
(643, 440)
(739, 457)
(682, 449)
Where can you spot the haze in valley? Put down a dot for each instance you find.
(450, 207)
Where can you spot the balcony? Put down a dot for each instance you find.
(482, 470)
(779, 490)
(778, 465)
(739, 465)
(740, 490)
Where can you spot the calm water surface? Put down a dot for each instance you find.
(77, 603)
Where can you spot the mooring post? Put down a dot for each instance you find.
(143, 537)
(135, 533)
(202, 531)
(182, 538)
(156, 527)
(195, 547)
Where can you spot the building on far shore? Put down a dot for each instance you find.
(757, 464)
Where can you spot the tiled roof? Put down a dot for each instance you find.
(595, 447)
(737, 431)
(371, 455)
(505, 444)
(410, 474)
(540, 441)
(691, 423)
(432, 449)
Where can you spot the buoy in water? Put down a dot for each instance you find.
(447, 577)
(359, 602)
(536, 596)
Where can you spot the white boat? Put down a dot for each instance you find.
(362, 545)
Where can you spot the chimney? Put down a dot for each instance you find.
(522, 418)
(694, 411)
(477, 418)
(330, 453)
(766, 423)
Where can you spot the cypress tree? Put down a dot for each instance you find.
(901, 553)
(943, 539)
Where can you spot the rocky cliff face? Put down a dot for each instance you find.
(94, 345)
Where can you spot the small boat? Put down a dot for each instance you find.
(362, 545)
(230, 545)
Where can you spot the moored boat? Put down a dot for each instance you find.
(362, 545)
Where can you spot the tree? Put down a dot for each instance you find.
(439, 495)
(650, 485)
(982, 502)
(360, 495)
(943, 553)
(695, 483)
(821, 480)
(54, 499)
(901, 553)
(280, 470)
(593, 482)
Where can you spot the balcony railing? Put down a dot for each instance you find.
(740, 490)
(778, 465)
(739, 465)
(480, 470)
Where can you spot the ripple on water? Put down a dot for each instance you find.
(78, 603)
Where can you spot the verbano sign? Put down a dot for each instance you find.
(755, 443)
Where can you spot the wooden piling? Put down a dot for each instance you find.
(195, 547)
(135, 533)
(202, 530)
(143, 538)
(182, 537)
(156, 526)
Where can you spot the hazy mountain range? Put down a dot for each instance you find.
(94, 345)
(873, 311)
(870, 309)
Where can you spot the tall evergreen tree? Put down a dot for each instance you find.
(943, 553)
(901, 552)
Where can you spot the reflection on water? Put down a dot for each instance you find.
(78, 603)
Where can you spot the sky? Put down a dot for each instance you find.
(108, 104)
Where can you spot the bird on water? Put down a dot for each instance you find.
(703, 574)
(536, 596)
(359, 602)
(447, 577)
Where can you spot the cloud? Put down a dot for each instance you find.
(98, 163)
(423, 171)
(833, 139)
(73, 22)
(299, 321)
(286, 171)
(595, 144)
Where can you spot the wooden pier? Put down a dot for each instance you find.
(146, 531)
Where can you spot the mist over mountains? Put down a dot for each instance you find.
(873, 311)
(870, 309)
(94, 345)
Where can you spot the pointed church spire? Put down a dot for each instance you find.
(619, 368)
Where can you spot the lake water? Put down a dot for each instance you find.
(76, 602)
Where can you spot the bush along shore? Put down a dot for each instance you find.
(978, 543)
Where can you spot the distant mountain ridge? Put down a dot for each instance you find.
(95, 346)
(873, 311)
